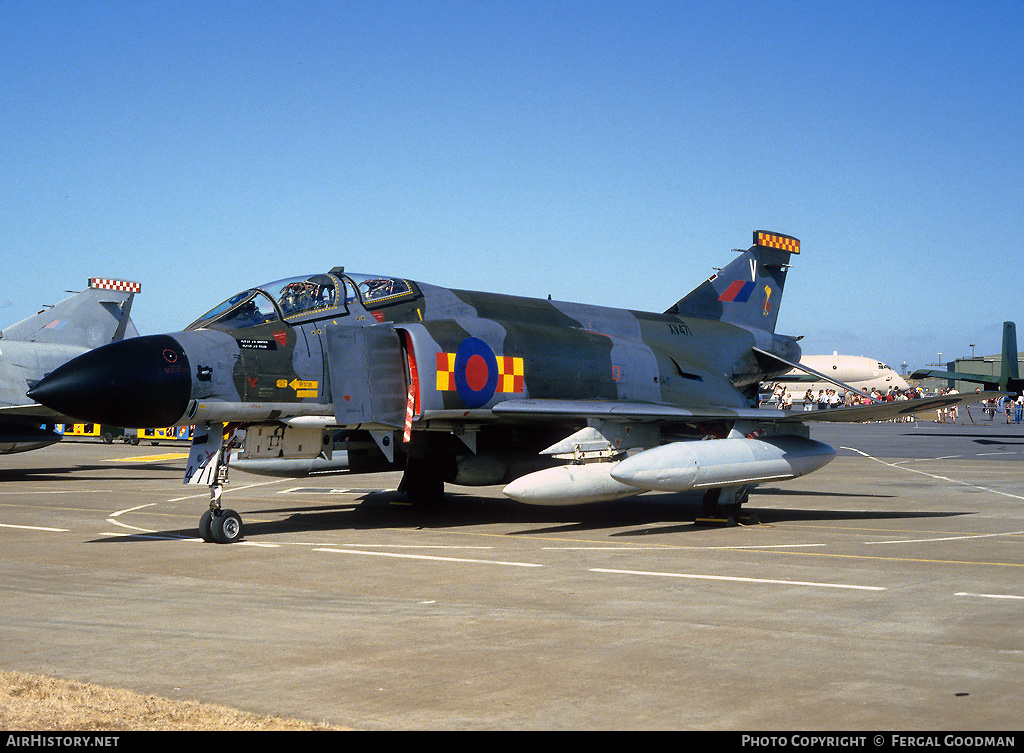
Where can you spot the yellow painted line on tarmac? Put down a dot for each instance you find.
(151, 458)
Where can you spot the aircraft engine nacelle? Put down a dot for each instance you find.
(685, 466)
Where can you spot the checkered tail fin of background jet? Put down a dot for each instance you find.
(98, 315)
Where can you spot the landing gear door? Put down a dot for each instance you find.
(367, 371)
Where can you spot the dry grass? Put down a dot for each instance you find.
(34, 702)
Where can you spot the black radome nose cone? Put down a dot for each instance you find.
(140, 383)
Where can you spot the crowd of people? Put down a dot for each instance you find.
(827, 399)
(1012, 408)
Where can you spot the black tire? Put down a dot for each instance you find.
(204, 526)
(422, 483)
(226, 527)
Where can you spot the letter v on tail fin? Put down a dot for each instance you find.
(748, 291)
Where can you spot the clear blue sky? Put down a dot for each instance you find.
(604, 152)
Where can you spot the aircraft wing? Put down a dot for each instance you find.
(617, 410)
(609, 410)
(957, 375)
(888, 411)
(33, 411)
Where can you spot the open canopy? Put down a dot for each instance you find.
(304, 298)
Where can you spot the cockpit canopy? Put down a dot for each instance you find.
(306, 298)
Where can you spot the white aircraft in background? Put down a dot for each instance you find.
(864, 374)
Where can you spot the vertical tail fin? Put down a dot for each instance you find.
(1008, 369)
(748, 291)
(96, 316)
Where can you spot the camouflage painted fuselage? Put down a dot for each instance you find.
(476, 372)
(466, 350)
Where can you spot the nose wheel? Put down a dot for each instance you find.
(220, 526)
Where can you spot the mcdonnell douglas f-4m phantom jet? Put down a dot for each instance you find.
(562, 402)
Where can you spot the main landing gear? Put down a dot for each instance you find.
(423, 482)
(721, 507)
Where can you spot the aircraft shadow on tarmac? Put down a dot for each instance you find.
(67, 472)
(665, 514)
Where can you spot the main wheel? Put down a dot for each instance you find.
(226, 527)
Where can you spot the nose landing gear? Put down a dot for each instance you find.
(220, 526)
(208, 464)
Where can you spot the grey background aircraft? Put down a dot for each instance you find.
(32, 348)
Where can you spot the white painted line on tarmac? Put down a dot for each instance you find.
(325, 490)
(668, 547)
(413, 546)
(130, 528)
(129, 509)
(990, 596)
(425, 557)
(35, 528)
(761, 546)
(765, 581)
(62, 491)
(623, 548)
(933, 475)
(227, 489)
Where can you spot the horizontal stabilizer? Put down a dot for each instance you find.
(958, 376)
